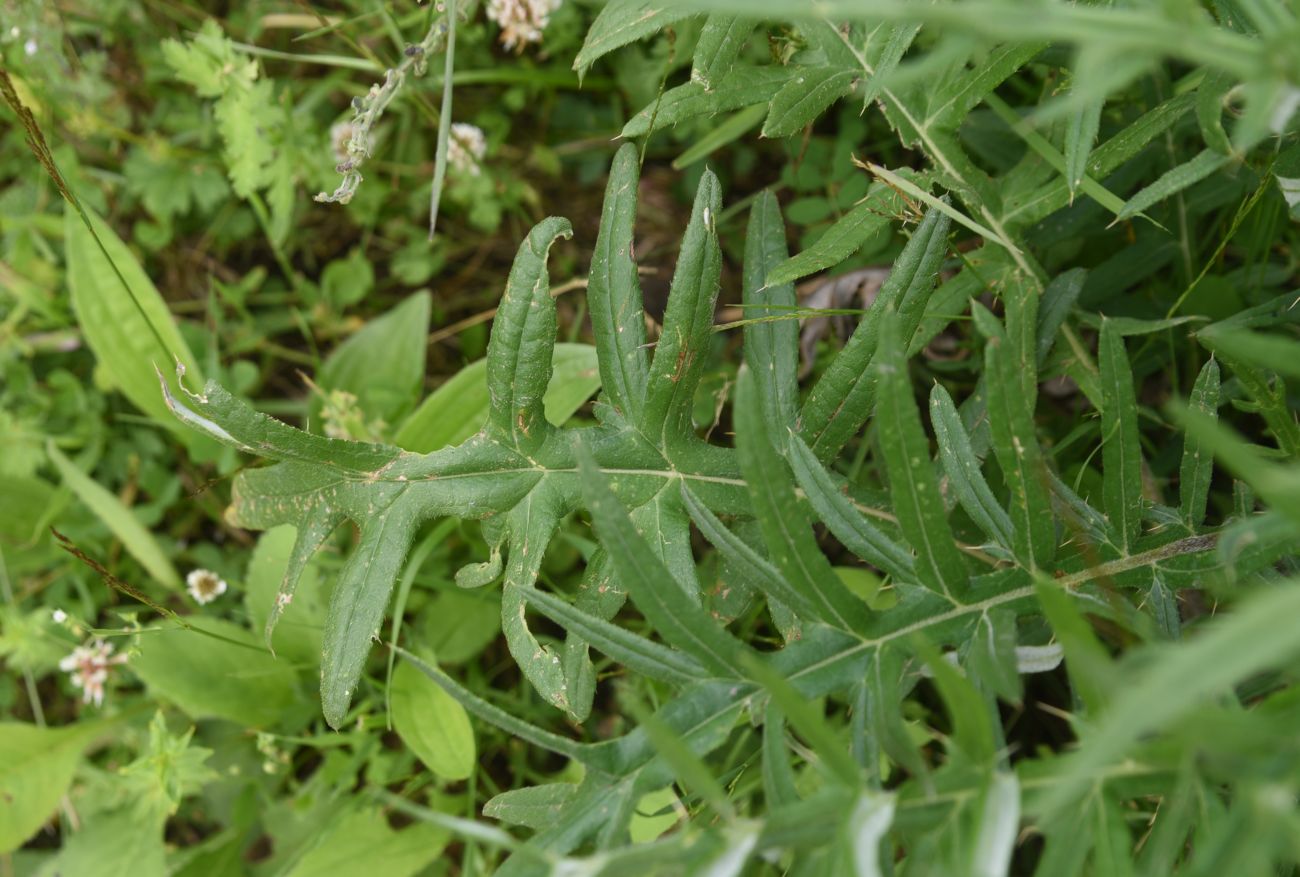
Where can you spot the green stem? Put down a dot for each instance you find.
(444, 119)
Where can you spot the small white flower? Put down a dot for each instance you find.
(205, 585)
(30, 47)
(466, 147)
(88, 666)
(521, 21)
(59, 616)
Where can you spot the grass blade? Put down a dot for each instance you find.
(1121, 460)
(1198, 463)
(963, 469)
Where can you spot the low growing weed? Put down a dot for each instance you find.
(995, 576)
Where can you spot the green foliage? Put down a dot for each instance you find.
(749, 610)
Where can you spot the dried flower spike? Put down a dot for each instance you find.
(88, 666)
(205, 585)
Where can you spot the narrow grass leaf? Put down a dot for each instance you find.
(1092, 673)
(119, 520)
(836, 762)
(941, 205)
(1173, 181)
(778, 777)
(736, 125)
(867, 826)
(1080, 134)
(963, 469)
(742, 87)
(972, 728)
(756, 569)
(1197, 467)
(689, 769)
(1121, 460)
(997, 827)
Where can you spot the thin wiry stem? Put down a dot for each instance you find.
(444, 119)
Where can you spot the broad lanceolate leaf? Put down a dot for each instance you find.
(771, 348)
(786, 527)
(721, 40)
(432, 723)
(227, 674)
(129, 341)
(383, 364)
(840, 402)
(1121, 454)
(805, 97)
(679, 360)
(626, 21)
(459, 408)
(1198, 462)
(913, 487)
(614, 295)
(523, 335)
(963, 469)
(36, 767)
(119, 519)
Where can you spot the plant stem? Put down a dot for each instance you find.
(444, 119)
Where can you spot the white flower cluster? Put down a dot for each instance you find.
(521, 21)
(88, 666)
(205, 585)
(466, 147)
